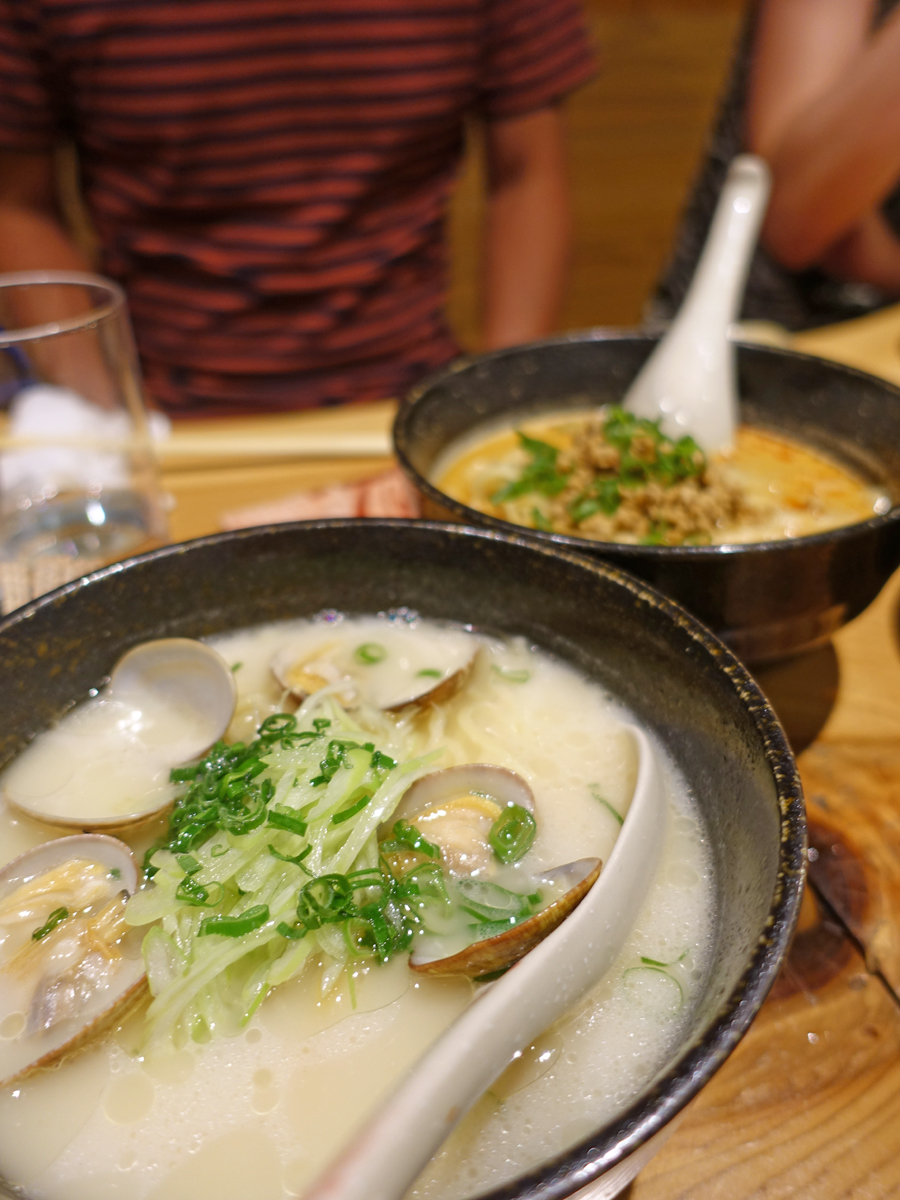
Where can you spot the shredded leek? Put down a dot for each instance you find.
(273, 846)
(272, 859)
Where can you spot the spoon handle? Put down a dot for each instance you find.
(717, 288)
(691, 377)
(389, 1152)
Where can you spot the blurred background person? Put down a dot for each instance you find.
(824, 110)
(270, 183)
(814, 88)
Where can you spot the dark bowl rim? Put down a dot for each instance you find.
(472, 516)
(584, 1162)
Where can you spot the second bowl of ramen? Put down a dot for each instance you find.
(775, 545)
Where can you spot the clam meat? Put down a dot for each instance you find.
(478, 814)
(68, 965)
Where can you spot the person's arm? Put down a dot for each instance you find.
(32, 237)
(528, 227)
(824, 111)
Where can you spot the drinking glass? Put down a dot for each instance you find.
(78, 483)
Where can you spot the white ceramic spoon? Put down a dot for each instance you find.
(690, 380)
(389, 1152)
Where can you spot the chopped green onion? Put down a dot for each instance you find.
(58, 914)
(490, 902)
(114, 873)
(236, 666)
(429, 673)
(324, 900)
(188, 863)
(652, 962)
(406, 837)
(540, 521)
(512, 833)
(296, 932)
(539, 475)
(195, 894)
(296, 859)
(632, 976)
(358, 801)
(606, 804)
(370, 653)
(283, 817)
(245, 922)
(510, 675)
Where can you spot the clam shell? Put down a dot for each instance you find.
(184, 679)
(497, 953)
(22, 1053)
(325, 657)
(482, 779)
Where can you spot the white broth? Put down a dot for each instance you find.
(257, 1115)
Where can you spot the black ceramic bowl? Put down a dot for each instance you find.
(674, 676)
(765, 600)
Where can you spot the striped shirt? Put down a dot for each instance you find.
(269, 178)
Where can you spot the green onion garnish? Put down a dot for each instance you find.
(606, 804)
(283, 817)
(114, 873)
(512, 833)
(245, 922)
(188, 863)
(296, 859)
(196, 895)
(429, 673)
(510, 675)
(236, 666)
(370, 653)
(58, 914)
(539, 475)
(406, 837)
(358, 801)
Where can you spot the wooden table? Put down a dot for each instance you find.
(809, 1104)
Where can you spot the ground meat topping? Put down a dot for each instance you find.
(623, 480)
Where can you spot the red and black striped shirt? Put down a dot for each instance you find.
(269, 178)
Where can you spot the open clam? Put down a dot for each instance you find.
(496, 953)
(458, 809)
(68, 966)
(375, 661)
(480, 818)
(106, 764)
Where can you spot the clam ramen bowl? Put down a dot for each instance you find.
(765, 600)
(677, 680)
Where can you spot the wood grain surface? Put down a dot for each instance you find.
(809, 1104)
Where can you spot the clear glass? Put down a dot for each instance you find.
(78, 482)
